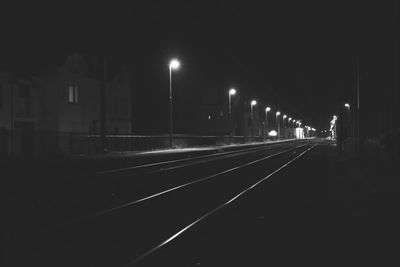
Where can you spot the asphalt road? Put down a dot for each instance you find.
(260, 206)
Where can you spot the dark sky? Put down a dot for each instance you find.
(301, 58)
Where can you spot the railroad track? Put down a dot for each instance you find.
(109, 188)
(134, 231)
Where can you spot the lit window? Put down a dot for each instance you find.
(73, 93)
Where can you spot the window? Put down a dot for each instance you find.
(73, 93)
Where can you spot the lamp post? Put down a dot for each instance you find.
(299, 125)
(347, 105)
(266, 120)
(174, 64)
(252, 104)
(290, 128)
(295, 130)
(283, 122)
(231, 92)
(278, 124)
(284, 117)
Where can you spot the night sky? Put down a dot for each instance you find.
(300, 59)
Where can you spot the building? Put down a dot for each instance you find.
(19, 113)
(59, 112)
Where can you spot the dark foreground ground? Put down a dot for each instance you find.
(325, 210)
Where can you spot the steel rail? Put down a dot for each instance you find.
(258, 147)
(219, 207)
(169, 190)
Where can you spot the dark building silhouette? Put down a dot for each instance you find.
(57, 111)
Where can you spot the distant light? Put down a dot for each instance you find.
(209, 117)
(347, 105)
(253, 103)
(278, 113)
(290, 118)
(232, 91)
(273, 133)
(313, 129)
(174, 64)
(284, 116)
(294, 121)
(334, 117)
(267, 109)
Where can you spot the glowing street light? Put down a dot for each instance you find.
(174, 64)
(347, 105)
(277, 123)
(231, 92)
(252, 104)
(267, 109)
(290, 132)
(284, 117)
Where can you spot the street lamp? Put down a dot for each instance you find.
(231, 92)
(284, 117)
(266, 119)
(290, 127)
(174, 64)
(347, 105)
(278, 124)
(252, 104)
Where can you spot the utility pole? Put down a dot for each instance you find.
(103, 108)
(359, 124)
(360, 133)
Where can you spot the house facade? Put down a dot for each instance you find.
(57, 112)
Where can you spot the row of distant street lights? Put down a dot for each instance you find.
(174, 64)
